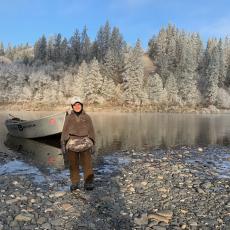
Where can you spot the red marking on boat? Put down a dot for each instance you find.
(51, 160)
(52, 121)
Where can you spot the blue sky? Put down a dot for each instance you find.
(24, 21)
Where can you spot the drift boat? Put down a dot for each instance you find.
(42, 127)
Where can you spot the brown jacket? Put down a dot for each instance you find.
(80, 126)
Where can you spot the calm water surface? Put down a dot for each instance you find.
(125, 131)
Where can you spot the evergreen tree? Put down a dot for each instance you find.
(65, 52)
(85, 46)
(93, 82)
(40, 49)
(50, 49)
(172, 89)
(109, 68)
(2, 52)
(75, 44)
(212, 77)
(227, 78)
(81, 86)
(187, 74)
(155, 90)
(114, 58)
(133, 74)
(222, 67)
(103, 41)
(108, 88)
(9, 52)
(57, 48)
(116, 43)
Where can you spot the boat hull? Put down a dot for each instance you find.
(45, 126)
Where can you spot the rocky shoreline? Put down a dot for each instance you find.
(180, 188)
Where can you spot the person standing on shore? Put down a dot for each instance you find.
(78, 143)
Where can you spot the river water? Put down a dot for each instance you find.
(117, 132)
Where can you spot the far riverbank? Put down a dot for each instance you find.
(112, 108)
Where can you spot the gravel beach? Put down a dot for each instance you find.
(179, 188)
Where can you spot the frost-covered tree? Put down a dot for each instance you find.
(212, 77)
(227, 78)
(222, 66)
(133, 74)
(198, 48)
(114, 58)
(172, 89)
(187, 74)
(157, 51)
(79, 87)
(93, 83)
(109, 68)
(38, 81)
(116, 42)
(155, 91)
(113, 65)
(223, 98)
(108, 89)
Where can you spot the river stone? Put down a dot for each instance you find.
(67, 206)
(167, 214)
(183, 226)
(41, 220)
(144, 183)
(159, 228)
(13, 224)
(57, 222)
(201, 191)
(32, 201)
(163, 190)
(59, 194)
(12, 200)
(92, 226)
(160, 177)
(143, 220)
(158, 218)
(48, 210)
(46, 226)
(24, 217)
(184, 211)
(131, 189)
(193, 224)
(206, 185)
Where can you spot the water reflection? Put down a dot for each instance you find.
(125, 131)
(138, 131)
(43, 154)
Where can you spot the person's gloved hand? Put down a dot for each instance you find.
(93, 149)
(63, 148)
